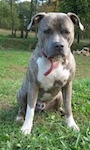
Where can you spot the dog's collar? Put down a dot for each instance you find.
(53, 65)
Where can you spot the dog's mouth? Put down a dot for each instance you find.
(55, 56)
(54, 61)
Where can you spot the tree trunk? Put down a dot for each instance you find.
(22, 33)
(12, 18)
(78, 38)
(55, 5)
(26, 34)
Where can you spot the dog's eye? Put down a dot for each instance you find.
(65, 32)
(47, 31)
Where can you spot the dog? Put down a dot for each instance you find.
(85, 51)
(51, 68)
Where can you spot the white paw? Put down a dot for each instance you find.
(26, 129)
(71, 123)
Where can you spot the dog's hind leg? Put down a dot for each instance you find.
(22, 102)
(56, 103)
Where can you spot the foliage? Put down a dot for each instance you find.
(17, 15)
(49, 130)
(80, 7)
(5, 15)
(24, 14)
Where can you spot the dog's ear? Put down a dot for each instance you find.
(75, 19)
(36, 19)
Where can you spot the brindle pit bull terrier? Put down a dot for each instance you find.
(51, 68)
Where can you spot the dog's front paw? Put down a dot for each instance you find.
(26, 129)
(71, 123)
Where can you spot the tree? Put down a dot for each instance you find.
(24, 16)
(80, 7)
(4, 14)
(49, 6)
(9, 16)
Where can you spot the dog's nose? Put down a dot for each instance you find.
(58, 46)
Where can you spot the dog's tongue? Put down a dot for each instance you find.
(53, 66)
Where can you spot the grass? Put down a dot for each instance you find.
(49, 131)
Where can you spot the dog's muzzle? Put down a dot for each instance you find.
(56, 49)
(58, 46)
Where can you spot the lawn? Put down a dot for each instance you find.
(49, 131)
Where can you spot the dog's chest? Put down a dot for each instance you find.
(57, 74)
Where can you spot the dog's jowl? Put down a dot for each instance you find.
(51, 69)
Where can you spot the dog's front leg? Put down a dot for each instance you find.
(67, 94)
(31, 103)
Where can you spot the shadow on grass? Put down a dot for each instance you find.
(8, 113)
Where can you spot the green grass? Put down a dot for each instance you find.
(49, 131)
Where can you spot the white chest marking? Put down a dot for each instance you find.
(59, 74)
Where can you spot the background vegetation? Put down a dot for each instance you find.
(16, 16)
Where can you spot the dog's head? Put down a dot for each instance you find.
(55, 32)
